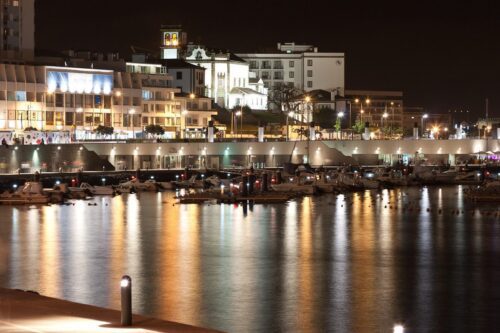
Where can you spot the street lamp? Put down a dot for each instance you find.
(238, 114)
(384, 116)
(131, 113)
(306, 109)
(424, 116)
(183, 131)
(392, 121)
(435, 130)
(289, 115)
(340, 115)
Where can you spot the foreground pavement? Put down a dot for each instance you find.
(22, 311)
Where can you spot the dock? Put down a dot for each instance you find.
(22, 311)
(215, 197)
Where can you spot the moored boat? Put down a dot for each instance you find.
(29, 193)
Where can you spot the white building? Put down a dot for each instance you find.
(55, 98)
(300, 65)
(17, 19)
(223, 73)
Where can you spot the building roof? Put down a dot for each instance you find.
(245, 91)
(234, 57)
(177, 63)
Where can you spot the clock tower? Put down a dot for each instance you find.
(173, 41)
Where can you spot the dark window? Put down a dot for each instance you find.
(69, 118)
(179, 75)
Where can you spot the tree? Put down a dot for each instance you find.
(358, 127)
(154, 129)
(325, 118)
(284, 96)
(104, 130)
(337, 125)
(30, 128)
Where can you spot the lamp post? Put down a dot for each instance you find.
(340, 115)
(191, 97)
(392, 121)
(78, 111)
(289, 115)
(424, 116)
(238, 114)
(384, 116)
(183, 130)
(131, 121)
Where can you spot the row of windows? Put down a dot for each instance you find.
(277, 64)
(93, 119)
(239, 82)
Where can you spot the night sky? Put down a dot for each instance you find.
(442, 54)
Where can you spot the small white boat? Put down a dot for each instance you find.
(29, 193)
(97, 190)
(136, 186)
(189, 183)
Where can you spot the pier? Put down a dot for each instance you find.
(22, 311)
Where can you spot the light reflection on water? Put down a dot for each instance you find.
(350, 263)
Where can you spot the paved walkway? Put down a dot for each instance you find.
(29, 312)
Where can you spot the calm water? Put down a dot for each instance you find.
(355, 263)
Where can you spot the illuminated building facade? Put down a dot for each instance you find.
(299, 65)
(52, 98)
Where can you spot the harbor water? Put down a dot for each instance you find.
(426, 258)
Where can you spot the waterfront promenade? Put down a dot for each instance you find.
(22, 311)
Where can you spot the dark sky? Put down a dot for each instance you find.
(442, 54)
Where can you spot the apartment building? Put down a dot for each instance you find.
(302, 66)
(17, 20)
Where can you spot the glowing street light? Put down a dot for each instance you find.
(424, 116)
(398, 329)
(290, 115)
(131, 113)
(239, 113)
(183, 130)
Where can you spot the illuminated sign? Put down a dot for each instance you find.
(171, 38)
(78, 82)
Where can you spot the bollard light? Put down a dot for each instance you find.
(398, 329)
(126, 300)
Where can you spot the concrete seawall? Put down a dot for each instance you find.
(108, 156)
(274, 154)
(22, 311)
